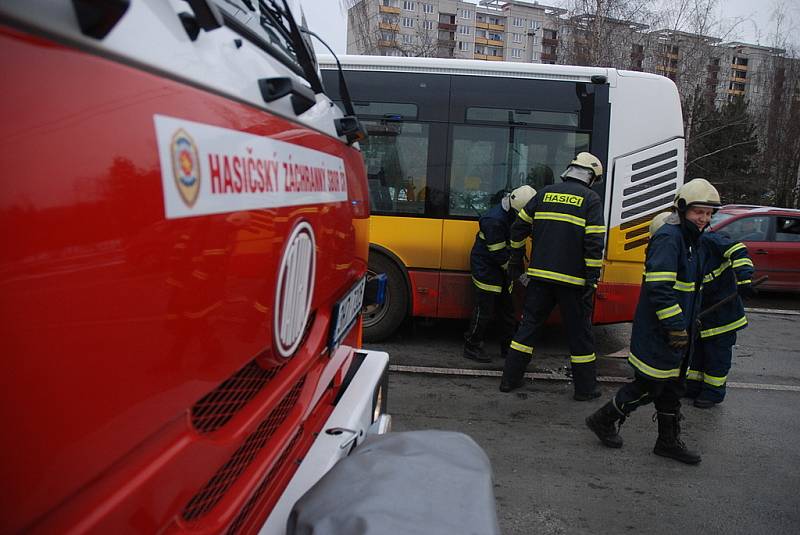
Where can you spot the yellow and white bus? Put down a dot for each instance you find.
(448, 137)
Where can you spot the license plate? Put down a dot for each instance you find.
(345, 312)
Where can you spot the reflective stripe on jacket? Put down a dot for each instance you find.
(727, 264)
(568, 230)
(669, 301)
(490, 251)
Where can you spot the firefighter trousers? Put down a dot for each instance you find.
(711, 363)
(576, 316)
(665, 394)
(491, 306)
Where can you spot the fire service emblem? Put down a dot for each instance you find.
(186, 166)
(295, 289)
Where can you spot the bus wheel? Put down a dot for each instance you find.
(381, 321)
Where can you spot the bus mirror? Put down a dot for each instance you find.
(351, 128)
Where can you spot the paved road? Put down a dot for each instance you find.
(553, 476)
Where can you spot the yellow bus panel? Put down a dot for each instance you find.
(458, 237)
(416, 241)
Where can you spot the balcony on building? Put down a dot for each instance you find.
(388, 26)
(388, 9)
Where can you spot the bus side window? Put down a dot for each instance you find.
(478, 171)
(488, 161)
(395, 154)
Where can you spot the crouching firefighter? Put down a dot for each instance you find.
(566, 223)
(729, 271)
(663, 323)
(488, 264)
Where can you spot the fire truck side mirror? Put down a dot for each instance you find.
(351, 128)
(206, 13)
(97, 19)
(274, 88)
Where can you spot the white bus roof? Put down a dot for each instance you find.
(478, 68)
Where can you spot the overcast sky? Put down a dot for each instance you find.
(328, 19)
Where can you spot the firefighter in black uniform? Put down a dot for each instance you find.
(566, 223)
(664, 321)
(488, 264)
(730, 271)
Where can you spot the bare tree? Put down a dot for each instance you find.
(780, 160)
(605, 32)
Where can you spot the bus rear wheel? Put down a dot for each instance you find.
(381, 321)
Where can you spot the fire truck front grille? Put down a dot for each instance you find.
(215, 489)
(217, 407)
(241, 518)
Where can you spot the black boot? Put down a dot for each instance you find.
(669, 443)
(514, 371)
(603, 421)
(476, 353)
(584, 377)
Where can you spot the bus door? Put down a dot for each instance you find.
(502, 136)
(405, 116)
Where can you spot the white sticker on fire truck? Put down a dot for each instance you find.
(211, 170)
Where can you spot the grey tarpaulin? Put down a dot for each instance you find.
(414, 482)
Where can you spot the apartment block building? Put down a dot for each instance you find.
(748, 71)
(526, 31)
(492, 30)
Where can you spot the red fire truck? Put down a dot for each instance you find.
(185, 240)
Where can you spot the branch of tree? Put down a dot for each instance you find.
(722, 149)
(717, 129)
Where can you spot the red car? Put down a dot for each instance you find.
(772, 237)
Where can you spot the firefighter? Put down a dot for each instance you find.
(488, 264)
(664, 320)
(566, 223)
(729, 271)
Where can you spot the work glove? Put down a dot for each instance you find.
(678, 339)
(746, 290)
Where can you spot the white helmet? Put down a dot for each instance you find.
(583, 162)
(697, 192)
(521, 196)
(658, 221)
